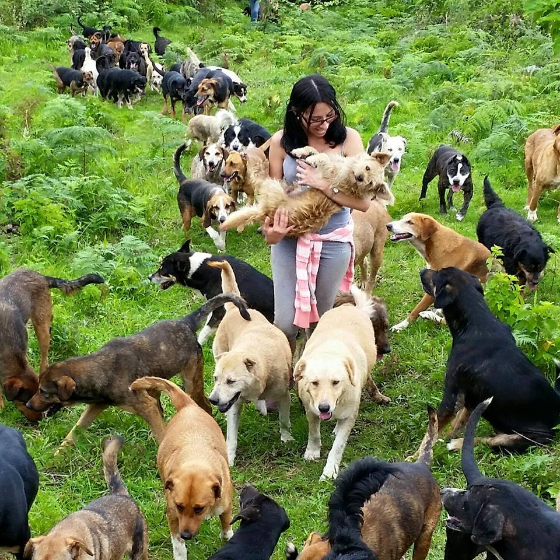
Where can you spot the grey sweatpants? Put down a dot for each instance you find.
(332, 268)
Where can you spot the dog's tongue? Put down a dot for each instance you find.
(200, 101)
(455, 188)
(325, 415)
(395, 165)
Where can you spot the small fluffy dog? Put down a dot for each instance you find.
(331, 373)
(209, 163)
(243, 172)
(253, 363)
(110, 527)
(525, 254)
(209, 202)
(393, 145)
(207, 128)
(77, 80)
(454, 170)
(193, 466)
(361, 176)
(542, 166)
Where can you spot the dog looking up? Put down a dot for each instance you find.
(207, 128)
(393, 145)
(209, 163)
(193, 467)
(496, 516)
(361, 176)
(525, 254)
(108, 528)
(24, 297)
(253, 364)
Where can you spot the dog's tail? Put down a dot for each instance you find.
(490, 197)
(196, 318)
(468, 462)
(229, 283)
(111, 447)
(425, 453)
(69, 287)
(80, 23)
(156, 31)
(386, 116)
(362, 300)
(179, 399)
(177, 163)
(241, 218)
(193, 58)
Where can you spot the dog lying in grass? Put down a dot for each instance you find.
(361, 176)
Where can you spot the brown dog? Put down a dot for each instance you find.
(25, 296)
(193, 466)
(370, 235)
(542, 166)
(403, 512)
(117, 44)
(441, 247)
(107, 529)
(243, 171)
(213, 91)
(102, 379)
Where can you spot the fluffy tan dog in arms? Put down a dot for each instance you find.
(192, 463)
(253, 363)
(109, 528)
(331, 374)
(362, 176)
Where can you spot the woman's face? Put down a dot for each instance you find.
(318, 123)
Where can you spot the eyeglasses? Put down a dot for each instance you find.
(318, 121)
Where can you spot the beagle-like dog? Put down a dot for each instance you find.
(209, 163)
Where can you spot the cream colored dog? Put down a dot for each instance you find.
(253, 363)
(332, 372)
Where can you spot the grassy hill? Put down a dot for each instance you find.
(91, 189)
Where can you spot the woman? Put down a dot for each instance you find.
(313, 118)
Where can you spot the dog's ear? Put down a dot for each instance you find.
(249, 364)
(250, 513)
(403, 140)
(445, 295)
(201, 152)
(313, 538)
(12, 387)
(30, 547)
(488, 525)
(75, 546)
(169, 485)
(299, 369)
(217, 488)
(206, 216)
(428, 226)
(520, 255)
(183, 264)
(225, 152)
(556, 129)
(382, 157)
(351, 369)
(185, 247)
(244, 156)
(66, 386)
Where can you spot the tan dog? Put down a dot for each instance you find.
(253, 363)
(207, 128)
(213, 91)
(362, 176)
(244, 171)
(193, 466)
(542, 166)
(331, 374)
(441, 247)
(209, 163)
(402, 513)
(145, 54)
(370, 235)
(107, 529)
(117, 44)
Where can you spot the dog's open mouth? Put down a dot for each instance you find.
(210, 167)
(379, 356)
(201, 100)
(166, 284)
(400, 236)
(395, 165)
(454, 524)
(455, 188)
(229, 178)
(225, 407)
(325, 415)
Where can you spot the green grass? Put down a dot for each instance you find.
(446, 77)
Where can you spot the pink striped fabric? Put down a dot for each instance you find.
(308, 256)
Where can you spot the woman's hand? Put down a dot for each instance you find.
(309, 176)
(276, 231)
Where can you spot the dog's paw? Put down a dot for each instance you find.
(532, 215)
(285, 437)
(432, 316)
(382, 399)
(400, 326)
(312, 454)
(261, 407)
(330, 472)
(305, 152)
(460, 217)
(290, 551)
(455, 444)
(226, 535)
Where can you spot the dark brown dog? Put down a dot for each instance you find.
(25, 296)
(102, 379)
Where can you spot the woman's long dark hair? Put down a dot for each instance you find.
(306, 93)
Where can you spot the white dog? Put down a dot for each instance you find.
(394, 145)
(207, 128)
(209, 163)
(90, 66)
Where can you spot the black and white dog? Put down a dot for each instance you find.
(239, 88)
(190, 269)
(245, 134)
(454, 170)
(394, 145)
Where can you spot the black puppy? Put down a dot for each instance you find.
(190, 269)
(121, 85)
(176, 88)
(19, 482)
(485, 362)
(525, 253)
(454, 172)
(496, 515)
(161, 43)
(245, 134)
(262, 523)
(133, 61)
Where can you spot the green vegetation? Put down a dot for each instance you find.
(91, 189)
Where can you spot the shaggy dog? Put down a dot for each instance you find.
(361, 176)
(90, 65)
(209, 129)
(208, 164)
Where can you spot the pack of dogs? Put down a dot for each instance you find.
(378, 510)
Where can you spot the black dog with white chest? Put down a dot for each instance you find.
(454, 172)
(262, 523)
(190, 269)
(525, 254)
(20, 482)
(245, 134)
(485, 362)
(496, 516)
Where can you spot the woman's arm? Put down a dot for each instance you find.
(276, 156)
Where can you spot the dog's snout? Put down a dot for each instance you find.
(213, 400)
(324, 407)
(359, 178)
(222, 219)
(186, 535)
(456, 181)
(386, 349)
(390, 226)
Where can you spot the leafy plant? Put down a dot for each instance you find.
(546, 14)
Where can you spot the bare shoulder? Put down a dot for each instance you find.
(353, 144)
(276, 138)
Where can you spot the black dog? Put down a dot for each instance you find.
(86, 30)
(245, 134)
(496, 515)
(454, 172)
(262, 523)
(525, 253)
(485, 362)
(161, 43)
(217, 92)
(190, 269)
(133, 61)
(176, 88)
(78, 58)
(121, 85)
(191, 99)
(20, 482)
